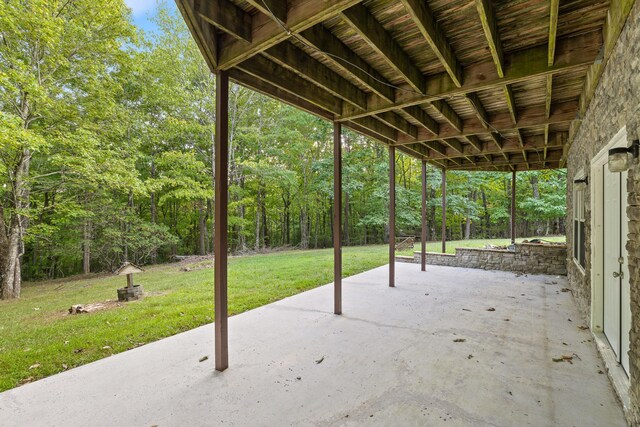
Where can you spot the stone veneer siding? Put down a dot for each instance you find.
(616, 103)
(527, 258)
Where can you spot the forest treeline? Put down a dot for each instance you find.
(106, 155)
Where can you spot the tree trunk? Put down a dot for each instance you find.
(345, 232)
(202, 228)
(11, 240)
(154, 211)
(304, 228)
(86, 247)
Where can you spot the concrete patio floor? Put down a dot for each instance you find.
(390, 359)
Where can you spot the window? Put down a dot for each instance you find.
(578, 223)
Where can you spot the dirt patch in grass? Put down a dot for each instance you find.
(92, 308)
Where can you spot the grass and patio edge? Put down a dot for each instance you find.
(38, 338)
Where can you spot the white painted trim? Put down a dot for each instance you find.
(616, 372)
(597, 238)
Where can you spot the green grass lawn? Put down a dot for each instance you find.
(38, 338)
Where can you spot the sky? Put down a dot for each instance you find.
(143, 11)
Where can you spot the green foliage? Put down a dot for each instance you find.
(119, 127)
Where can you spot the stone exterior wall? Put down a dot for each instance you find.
(527, 258)
(616, 103)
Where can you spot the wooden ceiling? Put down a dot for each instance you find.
(464, 84)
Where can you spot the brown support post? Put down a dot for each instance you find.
(513, 207)
(423, 238)
(444, 210)
(337, 218)
(392, 216)
(220, 230)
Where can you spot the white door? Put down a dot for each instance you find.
(617, 309)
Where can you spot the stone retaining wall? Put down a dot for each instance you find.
(527, 258)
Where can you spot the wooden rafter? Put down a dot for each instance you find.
(449, 115)
(266, 32)
(289, 56)
(511, 103)
(399, 123)
(384, 44)
(490, 27)
(529, 117)
(423, 118)
(571, 54)
(273, 91)
(336, 51)
(264, 69)
(553, 30)
(203, 32)
(226, 16)
(277, 8)
(431, 31)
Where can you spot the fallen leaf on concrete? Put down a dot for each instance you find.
(320, 360)
(565, 290)
(582, 327)
(565, 358)
(298, 378)
(491, 309)
(465, 309)
(36, 366)
(203, 358)
(601, 371)
(459, 340)
(470, 356)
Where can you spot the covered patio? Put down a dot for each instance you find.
(466, 347)
(460, 85)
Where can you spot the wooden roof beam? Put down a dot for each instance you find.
(431, 31)
(384, 44)
(342, 56)
(437, 147)
(572, 53)
(553, 30)
(529, 117)
(478, 109)
(289, 56)
(266, 88)
(399, 123)
(226, 16)
(423, 118)
(203, 32)
(490, 27)
(454, 144)
(264, 69)
(449, 115)
(511, 103)
(378, 127)
(267, 32)
(277, 8)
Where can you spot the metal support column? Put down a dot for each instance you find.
(392, 216)
(513, 207)
(220, 230)
(337, 218)
(423, 238)
(444, 210)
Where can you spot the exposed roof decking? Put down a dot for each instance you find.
(457, 83)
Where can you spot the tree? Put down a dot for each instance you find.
(56, 59)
